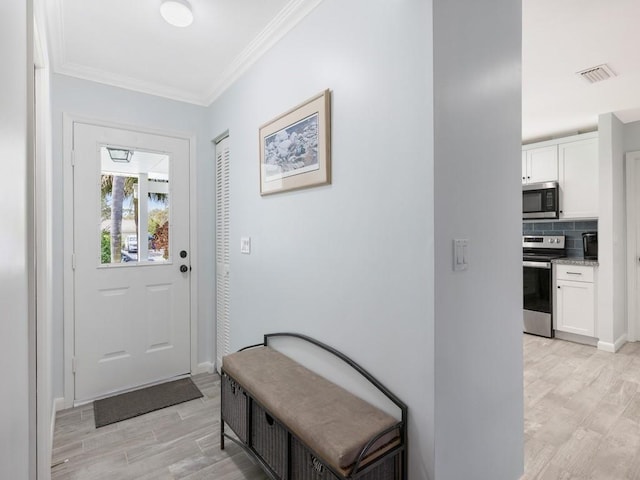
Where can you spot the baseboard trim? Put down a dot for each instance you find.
(574, 337)
(621, 341)
(613, 347)
(606, 346)
(63, 403)
(204, 367)
(57, 405)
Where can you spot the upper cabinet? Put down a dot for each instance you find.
(573, 163)
(540, 164)
(578, 178)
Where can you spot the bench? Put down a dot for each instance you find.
(300, 426)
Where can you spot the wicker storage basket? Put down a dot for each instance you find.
(387, 469)
(234, 406)
(269, 440)
(270, 426)
(306, 466)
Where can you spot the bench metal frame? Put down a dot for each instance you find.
(355, 471)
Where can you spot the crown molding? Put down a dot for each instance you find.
(277, 28)
(293, 12)
(55, 32)
(129, 83)
(41, 28)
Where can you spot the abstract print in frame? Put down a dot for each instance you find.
(295, 147)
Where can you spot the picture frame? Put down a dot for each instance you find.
(295, 147)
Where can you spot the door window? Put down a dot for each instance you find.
(134, 207)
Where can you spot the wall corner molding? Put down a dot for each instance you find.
(204, 367)
(281, 24)
(613, 347)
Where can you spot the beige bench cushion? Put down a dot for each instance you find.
(328, 419)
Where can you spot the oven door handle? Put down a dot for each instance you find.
(545, 265)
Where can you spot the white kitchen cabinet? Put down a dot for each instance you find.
(575, 295)
(578, 178)
(540, 164)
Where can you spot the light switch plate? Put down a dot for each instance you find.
(245, 245)
(460, 254)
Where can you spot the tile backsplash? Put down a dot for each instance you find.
(571, 230)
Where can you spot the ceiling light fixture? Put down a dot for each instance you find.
(120, 155)
(177, 12)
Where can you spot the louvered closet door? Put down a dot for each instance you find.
(222, 250)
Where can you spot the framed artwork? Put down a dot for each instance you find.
(295, 147)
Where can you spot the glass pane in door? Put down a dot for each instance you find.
(158, 219)
(135, 208)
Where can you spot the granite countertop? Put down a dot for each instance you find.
(575, 261)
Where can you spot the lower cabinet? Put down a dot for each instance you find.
(575, 305)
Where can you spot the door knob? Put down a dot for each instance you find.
(183, 254)
(184, 268)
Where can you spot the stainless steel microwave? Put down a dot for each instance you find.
(540, 200)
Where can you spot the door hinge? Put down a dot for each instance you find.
(73, 261)
(74, 364)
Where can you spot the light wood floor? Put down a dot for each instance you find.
(581, 411)
(582, 421)
(180, 442)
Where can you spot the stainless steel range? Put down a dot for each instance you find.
(537, 253)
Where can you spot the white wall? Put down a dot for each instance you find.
(631, 136)
(352, 264)
(16, 460)
(45, 256)
(478, 312)
(81, 97)
(611, 281)
(631, 143)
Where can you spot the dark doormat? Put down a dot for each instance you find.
(132, 404)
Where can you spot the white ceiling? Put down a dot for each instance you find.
(126, 43)
(561, 37)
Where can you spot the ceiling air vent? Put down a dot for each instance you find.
(597, 73)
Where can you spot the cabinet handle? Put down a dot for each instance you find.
(558, 286)
(574, 273)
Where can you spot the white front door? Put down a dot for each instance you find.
(131, 259)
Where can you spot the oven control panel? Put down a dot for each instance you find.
(543, 241)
